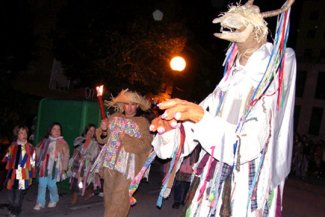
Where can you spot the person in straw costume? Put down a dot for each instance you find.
(127, 142)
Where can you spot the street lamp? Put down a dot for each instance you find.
(178, 64)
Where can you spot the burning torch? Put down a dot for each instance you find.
(99, 90)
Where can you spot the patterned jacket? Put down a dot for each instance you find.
(20, 165)
(53, 160)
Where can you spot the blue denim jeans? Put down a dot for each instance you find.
(43, 183)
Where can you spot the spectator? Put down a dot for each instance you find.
(306, 154)
(183, 178)
(20, 160)
(52, 164)
(297, 156)
(86, 150)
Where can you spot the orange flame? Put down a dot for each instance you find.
(100, 90)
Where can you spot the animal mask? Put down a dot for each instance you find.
(242, 21)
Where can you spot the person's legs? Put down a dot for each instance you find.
(42, 184)
(89, 192)
(186, 186)
(74, 185)
(54, 195)
(11, 199)
(74, 191)
(101, 189)
(177, 194)
(116, 188)
(17, 202)
(107, 187)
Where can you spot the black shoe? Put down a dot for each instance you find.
(176, 205)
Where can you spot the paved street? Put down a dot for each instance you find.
(301, 199)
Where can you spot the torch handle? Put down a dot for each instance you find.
(101, 106)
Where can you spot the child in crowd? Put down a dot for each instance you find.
(52, 163)
(86, 150)
(20, 164)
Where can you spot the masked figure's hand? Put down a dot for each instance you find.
(176, 110)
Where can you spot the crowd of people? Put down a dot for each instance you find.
(107, 158)
(308, 161)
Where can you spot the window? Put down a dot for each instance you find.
(300, 83)
(320, 87)
(315, 121)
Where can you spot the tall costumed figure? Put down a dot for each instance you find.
(244, 127)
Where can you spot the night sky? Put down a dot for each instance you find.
(27, 26)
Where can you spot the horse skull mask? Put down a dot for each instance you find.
(243, 21)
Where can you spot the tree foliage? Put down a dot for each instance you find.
(105, 42)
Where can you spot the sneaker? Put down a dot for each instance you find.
(51, 205)
(101, 194)
(38, 206)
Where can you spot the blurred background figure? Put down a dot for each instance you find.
(86, 150)
(183, 178)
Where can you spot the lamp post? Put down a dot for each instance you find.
(178, 64)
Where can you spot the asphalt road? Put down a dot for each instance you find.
(301, 199)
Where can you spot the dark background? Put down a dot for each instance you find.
(117, 43)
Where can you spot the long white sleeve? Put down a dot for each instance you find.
(166, 144)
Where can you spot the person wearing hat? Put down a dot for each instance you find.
(127, 145)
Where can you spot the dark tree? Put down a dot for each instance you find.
(117, 44)
(16, 51)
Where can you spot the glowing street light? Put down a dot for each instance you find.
(177, 63)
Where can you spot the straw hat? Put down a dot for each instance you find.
(126, 96)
